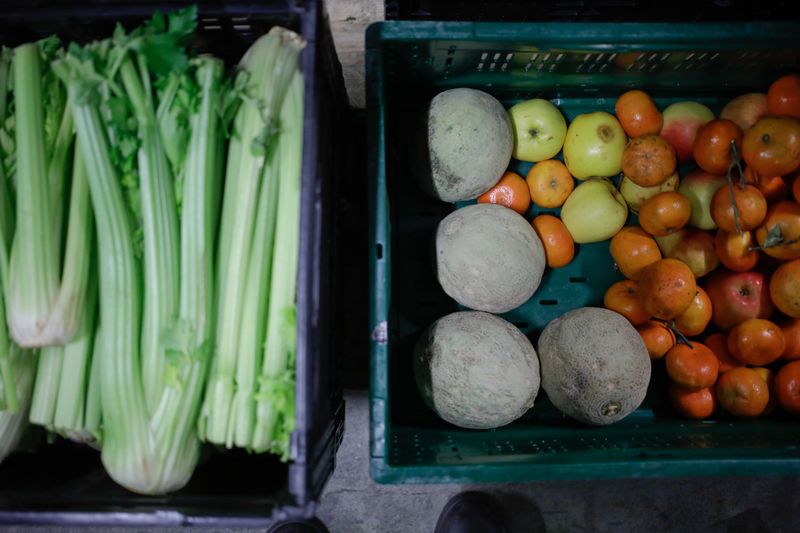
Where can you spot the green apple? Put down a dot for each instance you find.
(635, 195)
(699, 187)
(595, 211)
(668, 243)
(539, 130)
(594, 145)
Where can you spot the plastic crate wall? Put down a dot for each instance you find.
(65, 483)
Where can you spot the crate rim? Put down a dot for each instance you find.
(633, 34)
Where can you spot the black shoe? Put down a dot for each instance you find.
(299, 526)
(471, 512)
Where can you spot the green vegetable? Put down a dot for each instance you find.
(151, 386)
(14, 422)
(45, 295)
(246, 237)
(17, 366)
(112, 202)
(61, 381)
(276, 391)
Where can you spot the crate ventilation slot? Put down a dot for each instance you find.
(577, 279)
(548, 302)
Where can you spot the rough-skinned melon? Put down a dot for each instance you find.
(488, 258)
(595, 367)
(463, 145)
(476, 370)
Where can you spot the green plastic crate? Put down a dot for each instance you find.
(580, 67)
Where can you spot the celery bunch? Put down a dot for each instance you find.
(261, 180)
(156, 201)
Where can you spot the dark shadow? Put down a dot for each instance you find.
(521, 513)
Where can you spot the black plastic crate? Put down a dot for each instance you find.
(65, 483)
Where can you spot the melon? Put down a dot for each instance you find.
(476, 370)
(463, 145)
(488, 258)
(595, 367)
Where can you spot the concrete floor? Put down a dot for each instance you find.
(352, 503)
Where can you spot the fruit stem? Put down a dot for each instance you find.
(729, 176)
(678, 335)
(736, 161)
(776, 245)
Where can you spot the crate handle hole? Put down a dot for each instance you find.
(548, 302)
(379, 251)
(521, 325)
(577, 279)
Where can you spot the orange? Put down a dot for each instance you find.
(694, 367)
(734, 250)
(787, 387)
(756, 341)
(784, 288)
(749, 201)
(712, 146)
(559, 248)
(511, 191)
(633, 249)
(623, 297)
(694, 320)
(648, 160)
(665, 213)
(718, 343)
(657, 337)
(694, 404)
(638, 114)
(791, 332)
(666, 288)
(782, 226)
(742, 392)
(783, 96)
(549, 183)
(772, 146)
(769, 378)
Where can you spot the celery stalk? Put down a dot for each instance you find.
(68, 419)
(8, 385)
(275, 411)
(126, 447)
(14, 424)
(271, 62)
(33, 267)
(254, 308)
(45, 296)
(92, 416)
(191, 339)
(160, 225)
(45, 393)
(60, 381)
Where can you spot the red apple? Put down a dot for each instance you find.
(696, 248)
(699, 187)
(738, 296)
(745, 109)
(681, 122)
